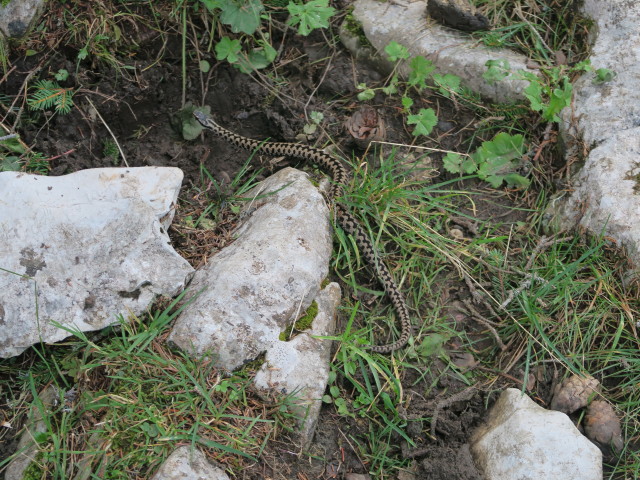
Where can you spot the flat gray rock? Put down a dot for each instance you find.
(82, 249)
(257, 287)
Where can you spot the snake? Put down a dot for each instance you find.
(346, 220)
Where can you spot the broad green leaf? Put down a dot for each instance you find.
(447, 83)
(204, 66)
(9, 164)
(257, 59)
(432, 345)
(604, 75)
(534, 93)
(420, 70)
(424, 121)
(396, 52)
(392, 87)
(242, 16)
(407, 102)
(451, 162)
(365, 95)
(559, 98)
(211, 5)
(310, 15)
(515, 180)
(227, 49)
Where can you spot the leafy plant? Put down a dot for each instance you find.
(47, 94)
(424, 121)
(495, 161)
(604, 75)
(110, 150)
(310, 15)
(396, 51)
(421, 68)
(316, 119)
(548, 99)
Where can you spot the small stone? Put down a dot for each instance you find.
(574, 393)
(357, 476)
(189, 463)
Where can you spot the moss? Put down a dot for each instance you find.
(324, 283)
(302, 324)
(34, 470)
(305, 322)
(354, 27)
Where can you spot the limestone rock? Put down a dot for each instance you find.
(450, 51)
(603, 197)
(82, 249)
(252, 290)
(524, 441)
(601, 110)
(18, 16)
(189, 463)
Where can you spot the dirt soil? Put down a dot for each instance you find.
(140, 108)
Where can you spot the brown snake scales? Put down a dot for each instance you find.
(347, 221)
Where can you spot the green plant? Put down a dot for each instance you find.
(550, 97)
(47, 94)
(424, 121)
(311, 127)
(495, 161)
(15, 156)
(253, 50)
(310, 15)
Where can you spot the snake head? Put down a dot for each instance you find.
(202, 117)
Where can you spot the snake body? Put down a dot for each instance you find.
(346, 220)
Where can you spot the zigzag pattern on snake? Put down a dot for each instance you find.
(346, 220)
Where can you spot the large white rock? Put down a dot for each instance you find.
(82, 249)
(189, 463)
(598, 112)
(521, 440)
(450, 50)
(254, 289)
(604, 195)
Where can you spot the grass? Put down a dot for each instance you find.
(126, 401)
